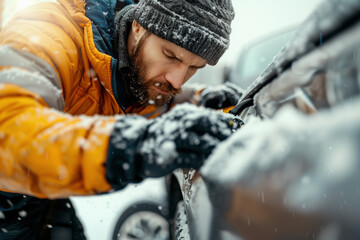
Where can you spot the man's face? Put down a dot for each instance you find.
(162, 68)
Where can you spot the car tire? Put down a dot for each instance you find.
(143, 221)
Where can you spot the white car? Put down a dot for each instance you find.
(137, 212)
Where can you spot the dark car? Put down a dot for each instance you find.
(293, 170)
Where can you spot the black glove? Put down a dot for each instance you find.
(181, 138)
(222, 96)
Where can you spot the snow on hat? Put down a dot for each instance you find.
(200, 26)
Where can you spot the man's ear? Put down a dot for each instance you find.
(137, 32)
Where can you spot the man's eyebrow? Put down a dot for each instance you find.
(172, 54)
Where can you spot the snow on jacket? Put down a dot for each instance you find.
(55, 69)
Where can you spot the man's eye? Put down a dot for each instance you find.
(170, 57)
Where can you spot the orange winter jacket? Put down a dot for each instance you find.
(53, 80)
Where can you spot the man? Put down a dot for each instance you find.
(62, 61)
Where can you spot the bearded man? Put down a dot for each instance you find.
(83, 85)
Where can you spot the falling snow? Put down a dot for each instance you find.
(22, 213)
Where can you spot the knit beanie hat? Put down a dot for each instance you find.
(200, 26)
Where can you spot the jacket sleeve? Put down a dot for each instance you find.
(43, 151)
(46, 153)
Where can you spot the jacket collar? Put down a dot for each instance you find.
(101, 14)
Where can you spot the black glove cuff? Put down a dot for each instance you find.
(122, 163)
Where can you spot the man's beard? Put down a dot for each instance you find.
(143, 91)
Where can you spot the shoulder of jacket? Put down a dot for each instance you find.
(74, 6)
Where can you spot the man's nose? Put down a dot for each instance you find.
(176, 76)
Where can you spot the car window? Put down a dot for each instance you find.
(256, 58)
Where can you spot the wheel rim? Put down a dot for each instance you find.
(144, 225)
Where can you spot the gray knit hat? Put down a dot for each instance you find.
(200, 26)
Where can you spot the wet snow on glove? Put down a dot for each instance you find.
(222, 96)
(181, 138)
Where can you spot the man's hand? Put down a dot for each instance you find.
(222, 96)
(182, 138)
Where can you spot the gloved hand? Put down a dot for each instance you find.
(222, 96)
(181, 138)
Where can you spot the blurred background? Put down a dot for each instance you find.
(259, 30)
(256, 21)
